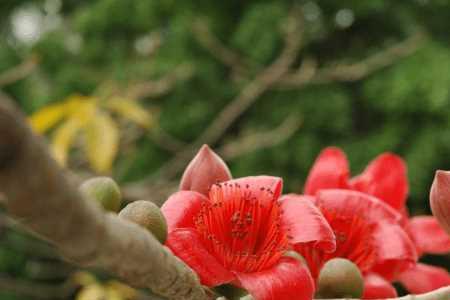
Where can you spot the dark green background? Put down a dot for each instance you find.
(404, 108)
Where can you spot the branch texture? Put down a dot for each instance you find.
(45, 202)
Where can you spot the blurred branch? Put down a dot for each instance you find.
(53, 208)
(268, 77)
(18, 72)
(165, 140)
(158, 192)
(36, 290)
(310, 74)
(219, 50)
(161, 86)
(260, 140)
(145, 189)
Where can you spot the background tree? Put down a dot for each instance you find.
(267, 83)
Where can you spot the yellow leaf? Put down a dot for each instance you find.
(63, 138)
(131, 110)
(124, 290)
(48, 116)
(92, 292)
(83, 278)
(102, 141)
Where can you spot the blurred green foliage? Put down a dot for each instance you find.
(404, 108)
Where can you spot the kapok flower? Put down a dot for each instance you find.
(386, 178)
(238, 232)
(367, 233)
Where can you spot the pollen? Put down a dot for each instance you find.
(240, 226)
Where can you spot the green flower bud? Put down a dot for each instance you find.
(340, 278)
(295, 255)
(104, 191)
(147, 215)
(230, 292)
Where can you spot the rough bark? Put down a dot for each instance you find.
(45, 202)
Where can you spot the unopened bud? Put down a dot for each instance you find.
(296, 256)
(340, 278)
(205, 169)
(230, 292)
(440, 198)
(147, 215)
(104, 191)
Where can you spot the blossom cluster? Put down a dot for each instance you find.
(247, 234)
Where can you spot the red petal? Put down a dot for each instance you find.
(180, 209)
(203, 171)
(349, 203)
(187, 245)
(376, 287)
(396, 252)
(257, 185)
(330, 171)
(385, 178)
(424, 278)
(305, 223)
(428, 235)
(288, 279)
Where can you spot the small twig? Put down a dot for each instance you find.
(158, 192)
(154, 88)
(166, 140)
(261, 140)
(248, 96)
(219, 50)
(18, 72)
(354, 71)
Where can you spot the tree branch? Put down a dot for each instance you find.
(219, 50)
(354, 71)
(45, 202)
(18, 72)
(161, 86)
(260, 140)
(249, 95)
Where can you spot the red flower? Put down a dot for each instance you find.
(238, 232)
(367, 233)
(385, 178)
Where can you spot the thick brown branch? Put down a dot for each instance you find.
(18, 72)
(45, 202)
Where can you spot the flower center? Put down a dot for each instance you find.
(242, 228)
(354, 241)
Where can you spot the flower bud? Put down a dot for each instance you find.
(230, 292)
(203, 171)
(440, 198)
(340, 278)
(147, 215)
(296, 256)
(104, 191)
